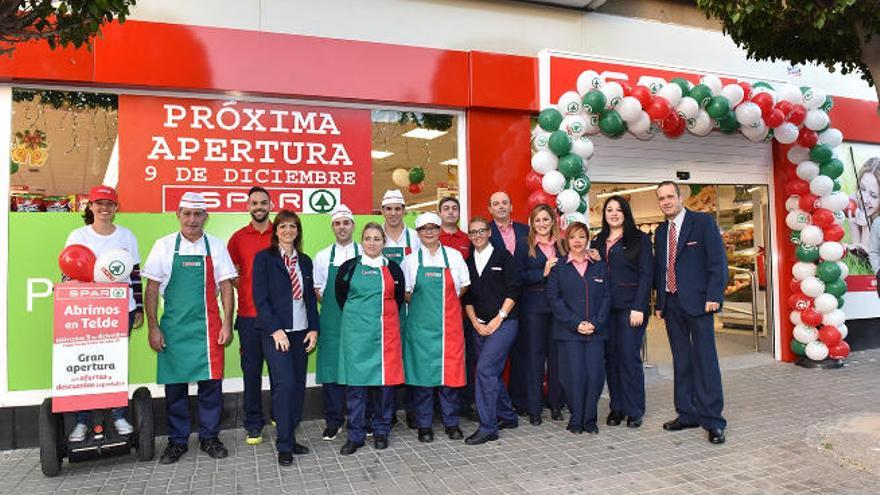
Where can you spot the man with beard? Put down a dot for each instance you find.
(244, 244)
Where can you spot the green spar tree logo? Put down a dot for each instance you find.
(116, 268)
(322, 201)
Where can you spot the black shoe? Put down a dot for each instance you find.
(411, 420)
(214, 448)
(299, 449)
(454, 433)
(480, 437)
(556, 414)
(521, 411)
(468, 412)
(676, 425)
(576, 429)
(716, 436)
(591, 428)
(330, 433)
(380, 442)
(632, 422)
(614, 418)
(285, 459)
(535, 420)
(350, 448)
(369, 430)
(173, 453)
(426, 435)
(508, 425)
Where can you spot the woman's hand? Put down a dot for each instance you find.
(636, 318)
(311, 340)
(281, 342)
(593, 254)
(549, 266)
(494, 324)
(582, 328)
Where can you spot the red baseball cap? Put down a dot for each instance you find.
(103, 192)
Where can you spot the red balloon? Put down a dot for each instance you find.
(643, 94)
(627, 87)
(840, 351)
(670, 123)
(416, 188)
(851, 207)
(678, 129)
(747, 90)
(784, 107)
(775, 118)
(794, 285)
(541, 197)
(797, 115)
(797, 187)
(830, 336)
(764, 102)
(533, 181)
(811, 317)
(659, 108)
(807, 138)
(823, 217)
(833, 232)
(808, 202)
(78, 263)
(799, 302)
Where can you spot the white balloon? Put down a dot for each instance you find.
(792, 203)
(812, 286)
(113, 265)
(786, 133)
(734, 94)
(825, 303)
(582, 146)
(844, 269)
(540, 140)
(835, 318)
(804, 334)
(652, 83)
(808, 171)
(756, 134)
(569, 103)
(574, 125)
(575, 216)
(713, 82)
(795, 317)
(802, 270)
(821, 185)
(831, 251)
(835, 201)
(814, 98)
(642, 124)
(816, 350)
(791, 94)
(672, 93)
(613, 92)
(816, 120)
(748, 114)
(844, 331)
(588, 81)
(553, 182)
(811, 236)
(839, 217)
(630, 109)
(832, 137)
(687, 108)
(797, 154)
(796, 219)
(592, 123)
(544, 161)
(702, 124)
(568, 201)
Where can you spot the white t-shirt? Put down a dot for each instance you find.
(414, 242)
(121, 238)
(321, 262)
(158, 265)
(460, 276)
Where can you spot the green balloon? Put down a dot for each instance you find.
(728, 124)
(821, 153)
(702, 94)
(798, 348)
(682, 83)
(582, 208)
(594, 101)
(836, 186)
(807, 253)
(718, 107)
(762, 84)
(581, 185)
(836, 288)
(828, 105)
(832, 168)
(559, 143)
(828, 271)
(549, 119)
(840, 302)
(611, 123)
(571, 166)
(416, 175)
(795, 237)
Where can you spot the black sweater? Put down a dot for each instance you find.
(500, 280)
(343, 281)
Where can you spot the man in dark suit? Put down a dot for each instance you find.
(691, 273)
(505, 231)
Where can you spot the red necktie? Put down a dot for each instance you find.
(296, 288)
(671, 249)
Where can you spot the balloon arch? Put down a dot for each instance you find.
(791, 115)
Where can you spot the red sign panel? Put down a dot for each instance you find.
(309, 158)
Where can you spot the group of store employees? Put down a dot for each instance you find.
(432, 315)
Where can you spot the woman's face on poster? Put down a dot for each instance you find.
(869, 194)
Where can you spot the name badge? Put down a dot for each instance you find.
(496, 268)
(191, 263)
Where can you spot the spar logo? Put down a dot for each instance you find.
(116, 268)
(576, 127)
(118, 293)
(573, 107)
(322, 201)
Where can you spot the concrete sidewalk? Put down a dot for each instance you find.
(791, 430)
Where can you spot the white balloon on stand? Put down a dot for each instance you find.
(835, 318)
(748, 114)
(808, 171)
(792, 203)
(796, 219)
(812, 286)
(672, 93)
(713, 82)
(844, 331)
(816, 350)
(734, 94)
(804, 334)
(832, 137)
(568, 201)
(811, 235)
(844, 269)
(791, 94)
(794, 317)
(831, 251)
(613, 92)
(574, 125)
(589, 80)
(786, 133)
(816, 120)
(802, 270)
(825, 303)
(702, 124)
(798, 153)
(821, 185)
(582, 146)
(569, 103)
(544, 161)
(553, 182)
(629, 109)
(814, 98)
(687, 108)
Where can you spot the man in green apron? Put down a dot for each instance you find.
(433, 347)
(188, 268)
(327, 263)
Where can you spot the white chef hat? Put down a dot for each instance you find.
(192, 200)
(341, 211)
(393, 197)
(427, 218)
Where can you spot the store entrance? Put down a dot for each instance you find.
(742, 212)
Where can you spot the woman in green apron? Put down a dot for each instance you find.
(370, 291)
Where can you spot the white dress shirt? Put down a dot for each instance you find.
(678, 221)
(159, 262)
(482, 258)
(321, 262)
(300, 317)
(457, 266)
(414, 242)
(377, 262)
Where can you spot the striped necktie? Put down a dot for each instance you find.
(671, 249)
(296, 288)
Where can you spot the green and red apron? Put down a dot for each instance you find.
(328, 337)
(369, 339)
(397, 253)
(190, 322)
(433, 347)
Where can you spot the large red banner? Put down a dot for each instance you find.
(308, 158)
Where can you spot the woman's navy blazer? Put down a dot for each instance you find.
(273, 295)
(631, 281)
(568, 293)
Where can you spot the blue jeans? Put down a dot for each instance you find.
(490, 394)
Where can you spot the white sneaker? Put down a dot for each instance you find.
(123, 427)
(79, 433)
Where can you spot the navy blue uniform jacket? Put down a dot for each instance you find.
(273, 297)
(519, 230)
(631, 281)
(534, 284)
(568, 291)
(700, 266)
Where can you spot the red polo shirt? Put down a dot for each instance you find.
(243, 246)
(457, 240)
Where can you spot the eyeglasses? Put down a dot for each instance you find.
(477, 232)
